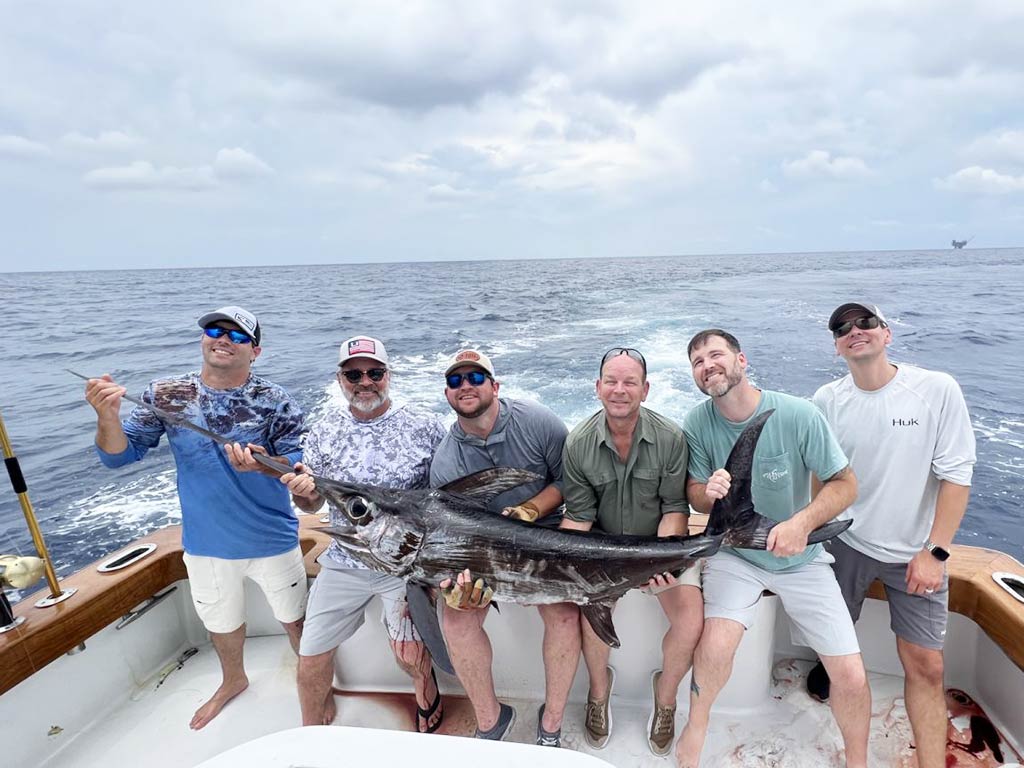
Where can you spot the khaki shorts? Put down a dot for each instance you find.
(337, 605)
(809, 593)
(688, 578)
(218, 587)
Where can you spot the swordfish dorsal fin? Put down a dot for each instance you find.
(488, 483)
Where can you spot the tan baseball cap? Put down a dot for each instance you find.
(470, 357)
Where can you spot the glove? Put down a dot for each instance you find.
(467, 597)
(526, 511)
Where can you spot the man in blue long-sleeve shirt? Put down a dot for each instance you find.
(237, 520)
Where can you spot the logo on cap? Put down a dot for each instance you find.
(468, 354)
(362, 346)
(245, 322)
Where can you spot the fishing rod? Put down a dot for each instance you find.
(21, 489)
(180, 421)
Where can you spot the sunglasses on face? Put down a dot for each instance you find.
(628, 352)
(864, 323)
(354, 377)
(475, 378)
(237, 337)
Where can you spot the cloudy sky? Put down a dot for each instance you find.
(138, 134)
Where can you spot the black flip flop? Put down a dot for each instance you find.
(426, 714)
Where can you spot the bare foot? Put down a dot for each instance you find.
(689, 747)
(216, 703)
(330, 708)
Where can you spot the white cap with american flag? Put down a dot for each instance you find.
(363, 346)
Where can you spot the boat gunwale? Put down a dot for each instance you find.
(103, 598)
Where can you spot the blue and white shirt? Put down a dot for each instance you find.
(392, 451)
(224, 513)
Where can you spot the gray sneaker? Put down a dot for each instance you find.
(547, 738)
(502, 728)
(661, 726)
(597, 723)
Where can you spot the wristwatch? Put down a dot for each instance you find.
(937, 552)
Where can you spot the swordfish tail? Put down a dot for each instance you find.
(734, 517)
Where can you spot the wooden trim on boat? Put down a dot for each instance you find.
(103, 598)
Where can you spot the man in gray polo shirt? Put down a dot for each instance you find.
(625, 471)
(501, 432)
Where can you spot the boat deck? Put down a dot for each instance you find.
(791, 729)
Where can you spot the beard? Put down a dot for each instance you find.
(364, 405)
(720, 388)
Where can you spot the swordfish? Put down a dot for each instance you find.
(426, 536)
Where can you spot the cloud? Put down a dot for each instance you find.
(983, 181)
(18, 146)
(144, 176)
(106, 141)
(820, 164)
(1002, 146)
(238, 164)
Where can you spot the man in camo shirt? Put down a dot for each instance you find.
(375, 442)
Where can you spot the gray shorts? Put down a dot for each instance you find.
(918, 619)
(809, 593)
(337, 604)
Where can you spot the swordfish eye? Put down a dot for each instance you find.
(357, 509)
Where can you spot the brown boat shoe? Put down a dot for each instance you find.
(661, 727)
(597, 723)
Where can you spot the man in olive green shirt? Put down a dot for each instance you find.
(624, 469)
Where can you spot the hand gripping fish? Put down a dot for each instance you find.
(425, 536)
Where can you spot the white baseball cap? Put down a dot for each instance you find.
(362, 346)
(243, 318)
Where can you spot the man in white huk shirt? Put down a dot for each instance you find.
(375, 442)
(907, 433)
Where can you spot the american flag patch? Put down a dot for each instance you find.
(357, 346)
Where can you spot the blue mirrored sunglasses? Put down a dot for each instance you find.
(475, 378)
(237, 337)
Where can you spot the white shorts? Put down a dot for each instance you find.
(809, 593)
(688, 578)
(218, 587)
(337, 605)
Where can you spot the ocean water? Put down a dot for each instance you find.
(545, 325)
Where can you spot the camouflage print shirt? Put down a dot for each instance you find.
(391, 451)
(224, 513)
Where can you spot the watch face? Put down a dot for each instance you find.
(938, 552)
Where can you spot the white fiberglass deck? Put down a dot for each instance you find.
(791, 730)
(107, 705)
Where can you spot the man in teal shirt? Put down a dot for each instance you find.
(795, 446)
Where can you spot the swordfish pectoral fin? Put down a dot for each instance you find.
(600, 617)
(423, 611)
(488, 483)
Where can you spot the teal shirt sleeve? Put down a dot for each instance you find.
(821, 451)
(699, 463)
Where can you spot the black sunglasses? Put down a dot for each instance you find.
(373, 374)
(628, 352)
(475, 378)
(864, 323)
(237, 337)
